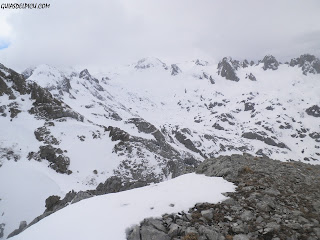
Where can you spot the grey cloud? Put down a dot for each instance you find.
(109, 32)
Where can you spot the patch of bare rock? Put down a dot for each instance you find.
(274, 200)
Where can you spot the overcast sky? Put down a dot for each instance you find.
(111, 32)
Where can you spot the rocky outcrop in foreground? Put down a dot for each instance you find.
(273, 200)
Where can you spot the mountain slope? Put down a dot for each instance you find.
(109, 216)
(29, 118)
(148, 121)
(40, 131)
(263, 109)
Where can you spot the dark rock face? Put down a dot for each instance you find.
(137, 149)
(58, 161)
(3, 110)
(43, 134)
(22, 226)
(118, 134)
(65, 85)
(51, 201)
(81, 196)
(175, 70)
(84, 74)
(170, 160)
(218, 126)
(313, 111)
(270, 62)
(182, 138)
(227, 68)
(147, 232)
(285, 126)
(262, 136)
(212, 81)
(115, 184)
(251, 77)
(226, 117)
(248, 106)
(5, 90)
(273, 200)
(315, 136)
(47, 107)
(201, 63)
(55, 156)
(14, 109)
(245, 63)
(2, 225)
(146, 127)
(111, 185)
(308, 63)
(142, 125)
(17, 82)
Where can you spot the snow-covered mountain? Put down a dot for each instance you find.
(266, 108)
(148, 121)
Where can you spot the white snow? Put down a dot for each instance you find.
(108, 216)
(24, 189)
(168, 102)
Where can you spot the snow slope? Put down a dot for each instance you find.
(108, 216)
(25, 183)
(147, 121)
(213, 117)
(24, 189)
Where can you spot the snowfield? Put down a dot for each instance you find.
(149, 121)
(24, 189)
(108, 216)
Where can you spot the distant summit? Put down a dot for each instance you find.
(146, 63)
(270, 62)
(308, 63)
(227, 68)
(84, 74)
(201, 63)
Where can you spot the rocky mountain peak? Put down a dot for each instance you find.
(3, 69)
(201, 63)
(245, 63)
(11, 80)
(28, 72)
(175, 70)
(146, 63)
(270, 62)
(50, 78)
(227, 68)
(84, 74)
(309, 63)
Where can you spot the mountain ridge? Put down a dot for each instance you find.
(153, 123)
